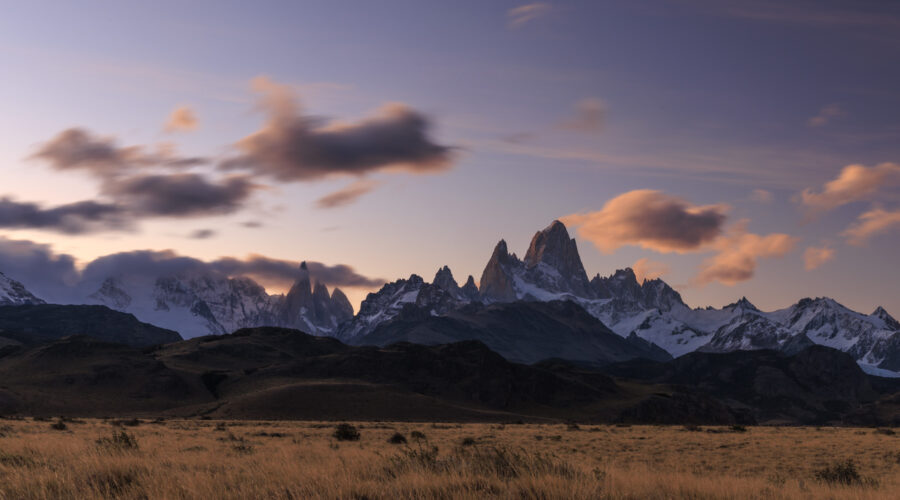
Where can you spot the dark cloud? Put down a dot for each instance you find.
(180, 195)
(294, 147)
(652, 220)
(46, 274)
(202, 234)
(73, 218)
(77, 148)
(80, 149)
(282, 273)
(346, 195)
(55, 277)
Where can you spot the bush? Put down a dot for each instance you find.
(119, 441)
(418, 435)
(738, 428)
(841, 473)
(469, 441)
(59, 425)
(885, 431)
(397, 438)
(573, 427)
(134, 422)
(346, 432)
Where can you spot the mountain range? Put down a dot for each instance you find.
(541, 306)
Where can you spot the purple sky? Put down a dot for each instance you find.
(738, 148)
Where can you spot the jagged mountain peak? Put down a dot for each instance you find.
(13, 292)
(626, 274)
(443, 279)
(742, 303)
(553, 247)
(303, 266)
(470, 289)
(889, 320)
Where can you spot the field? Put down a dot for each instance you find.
(229, 460)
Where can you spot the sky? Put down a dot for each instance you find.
(733, 148)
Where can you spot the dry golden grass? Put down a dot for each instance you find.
(224, 460)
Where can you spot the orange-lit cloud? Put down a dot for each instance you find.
(295, 147)
(762, 196)
(523, 14)
(826, 114)
(652, 220)
(855, 183)
(738, 253)
(646, 269)
(182, 118)
(348, 194)
(589, 116)
(871, 223)
(815, 257)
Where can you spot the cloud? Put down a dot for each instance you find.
(180, 195)
(761, 196)
(646, 269)
(45, 273)
(825, 115)
(589, 116)
(523, 14)
(182, 118)
(871, 223)
(57, 278)
(652, 220)
(202, 234)
(77, 148)
(294, 147)
(80, 149)
(252, 224)
(283, 273)
(347, 195)
(738, 255)
(855, 183)
(815, 257)
(277, 273)
(73, 218)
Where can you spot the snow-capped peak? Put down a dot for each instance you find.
(13, 293)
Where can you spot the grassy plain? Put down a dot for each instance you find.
(176, 459)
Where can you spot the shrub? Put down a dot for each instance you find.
(738, 428)
(119, 441)
(573, 427)
(468, 441)
(59, 425)
(346, 432)
(418, 435)
(134, 422)
(885, 431)
(841, 473)
(397, 438)
(693, 428)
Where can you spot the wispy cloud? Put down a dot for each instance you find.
(815, 257)
(182, 118)
(825, 115)
(854, 183)
(348, 194)
(523, 14)
(869, 224)
(589, 116)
